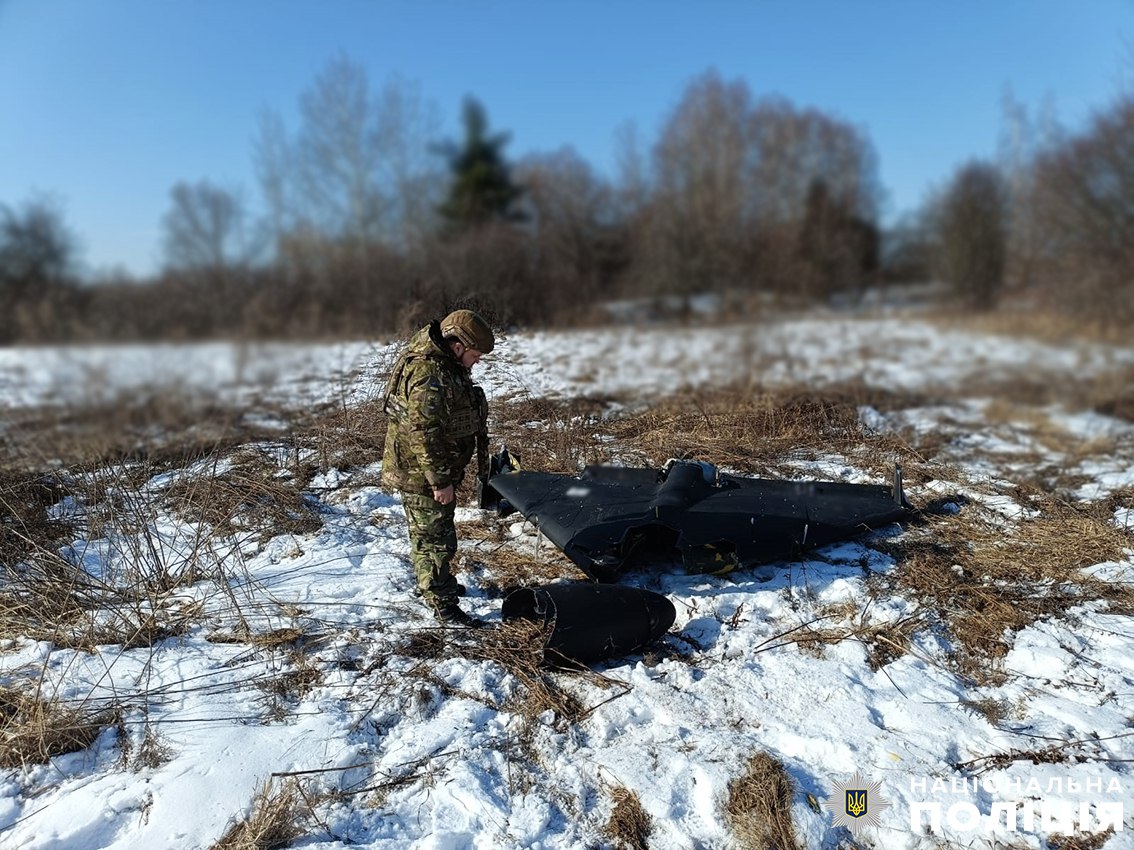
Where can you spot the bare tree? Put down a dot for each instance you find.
(795, 149)
(839, 249)
(205, 229)
(37, 256)
(414, 181)
(970, 223)
(272, 155)
(1084, 200)
(703, 229)
(351, 196)
(1023, 138)
(632, 187)
(573, 231)
(358, 169)
(733, 177)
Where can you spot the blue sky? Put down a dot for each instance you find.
(105, 104)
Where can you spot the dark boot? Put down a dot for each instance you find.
(461, 590)
(450, 614)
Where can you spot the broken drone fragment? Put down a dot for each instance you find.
(592, 622)
(610, 519)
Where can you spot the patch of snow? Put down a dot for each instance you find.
(434, 755)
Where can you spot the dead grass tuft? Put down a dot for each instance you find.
(1079, 841)
(277, 638)
(1110, 392)
(759, 806)
(49, 598)
(168, 429)
(281, 692)
(885, 641)
(44, 597)
(277, 816)
(1063, 752)
(760, 431)
(344, 436)
(134, 629)
(150, 752)
(985, 578)
(503, 567)
(992, 710)
(428, 644)
(250, 495)
(553, 435)
(33, 729)
(629, 825)
(1034, 323)
(154, 751)
(25, 524)
(518, 647)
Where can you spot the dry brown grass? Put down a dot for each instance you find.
(249, 495)
(152, 751)
(629, 825)
(884, 641)
(1036, 423)
(25, 524)
(282, 691)
(49, 598)
(278, 815)
(342, 436)
(985, 578)
(1056, 327)
(992, 710)
(761, 431)
(44, 596)
(517, 647)
(47, 593)
(276, 638)
(1121, 498)
(1063, 752)
(1079, 841)
(552, 435)
(163, 429)
(502, 567)
(34, 729)
(759, 806)
(1110, 392)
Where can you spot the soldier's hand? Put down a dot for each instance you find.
(445, 496)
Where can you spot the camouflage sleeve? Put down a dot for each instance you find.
(428, 417)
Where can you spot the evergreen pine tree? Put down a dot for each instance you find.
(482, 189)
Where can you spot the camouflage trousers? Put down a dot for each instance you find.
(433, 543)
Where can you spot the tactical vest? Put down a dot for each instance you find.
(462, 427)
(465, 401)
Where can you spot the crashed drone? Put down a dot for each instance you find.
(611, 519)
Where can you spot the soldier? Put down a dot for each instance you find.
(438, 419)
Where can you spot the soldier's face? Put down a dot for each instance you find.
(469, 357)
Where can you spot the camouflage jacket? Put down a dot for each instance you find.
(438, 417)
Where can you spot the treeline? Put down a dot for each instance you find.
(369, 224)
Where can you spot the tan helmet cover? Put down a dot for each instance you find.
(470, 328)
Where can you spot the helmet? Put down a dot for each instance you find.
(470, 328)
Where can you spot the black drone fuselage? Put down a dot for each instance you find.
(609, 519)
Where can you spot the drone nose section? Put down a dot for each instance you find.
(592, 622)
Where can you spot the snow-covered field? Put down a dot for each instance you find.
(431, 752)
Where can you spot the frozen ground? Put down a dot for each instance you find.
(438, 760)
(895, 353)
